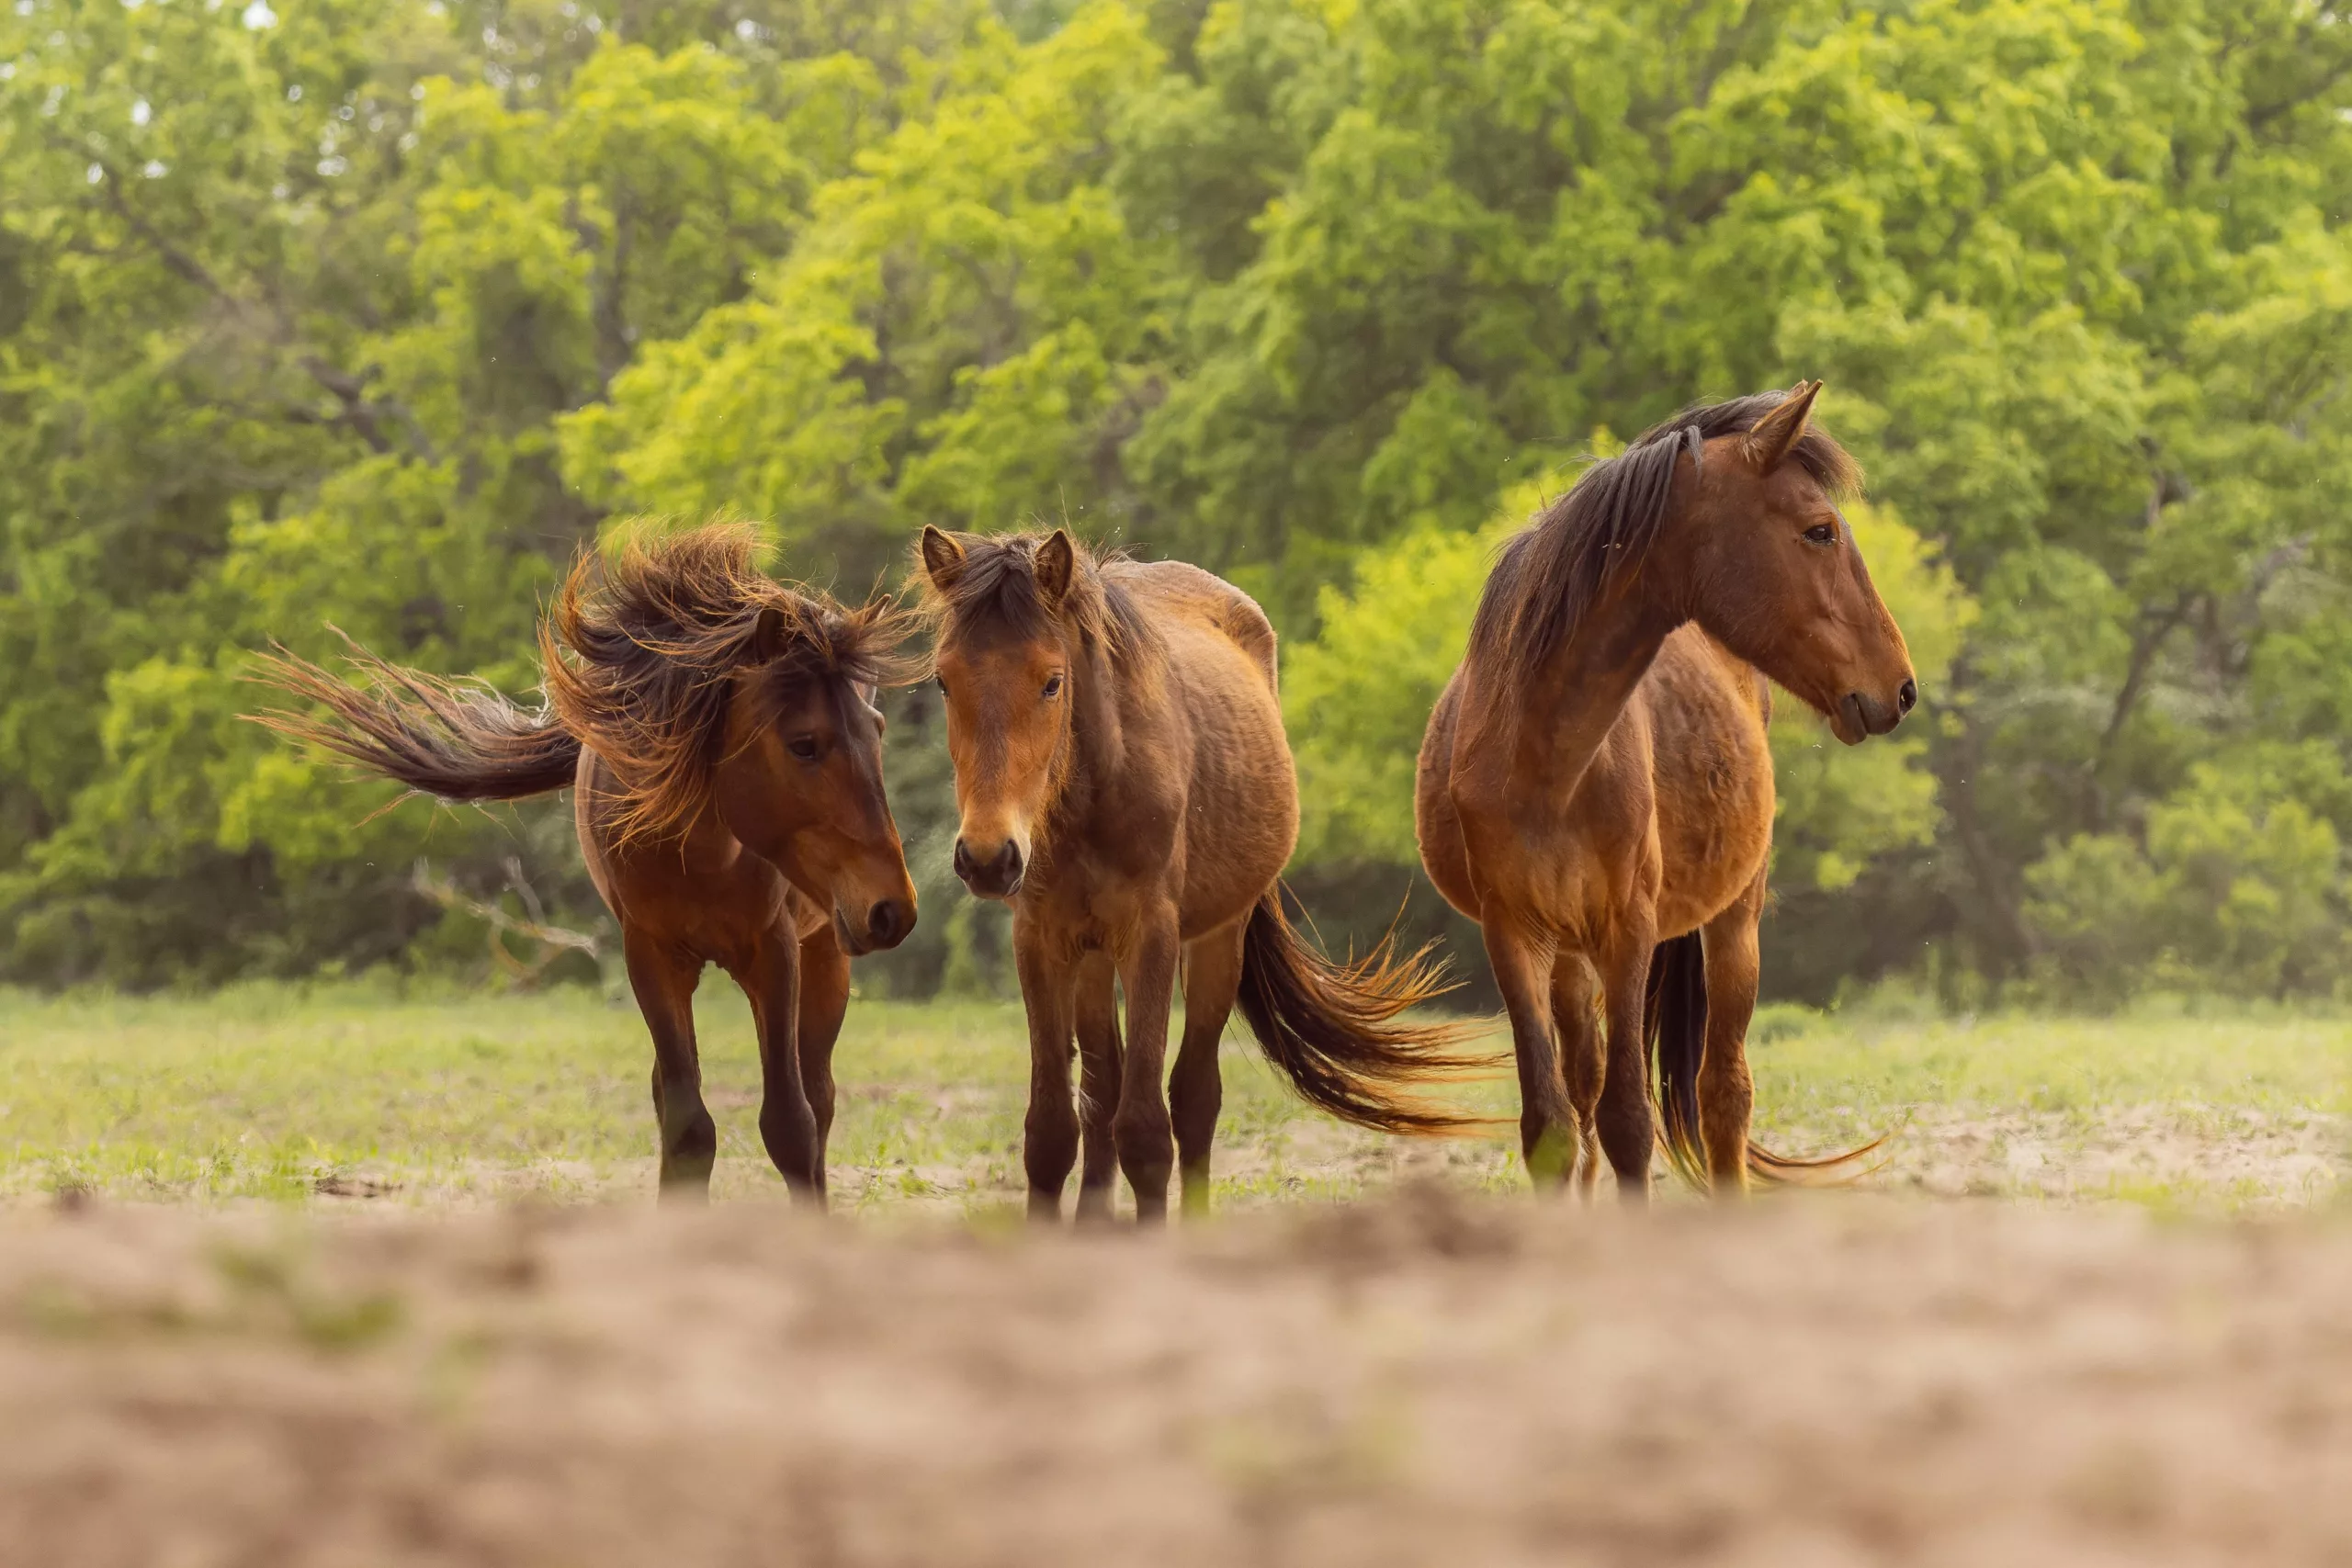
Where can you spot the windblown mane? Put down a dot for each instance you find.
(1552, 572)
(996, 584)
(640, 644)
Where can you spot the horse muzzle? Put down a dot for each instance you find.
(1859, 716)
(991, 873)
(887, 924)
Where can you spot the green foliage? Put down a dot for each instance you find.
(943, 344)
(305, 304)
(1357, 698)
(375, 313)
(2239, 886)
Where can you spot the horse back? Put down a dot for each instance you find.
(1178, 590)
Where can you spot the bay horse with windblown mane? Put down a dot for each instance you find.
(1123, 780)
(1596, 789)
(720, 733)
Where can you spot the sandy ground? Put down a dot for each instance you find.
(2181, 1157)
(1429, 1379)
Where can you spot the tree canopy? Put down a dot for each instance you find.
(373, 314)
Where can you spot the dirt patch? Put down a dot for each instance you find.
(2175, 1155)
(1432, 1379)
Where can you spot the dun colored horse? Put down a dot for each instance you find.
(1596, 791)
(1124, 780)
(719, 732)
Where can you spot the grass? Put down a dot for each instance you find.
(349, 1089)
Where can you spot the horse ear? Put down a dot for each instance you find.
(1777, 434)
(772, 636)
(1057, 564)
(942, 558)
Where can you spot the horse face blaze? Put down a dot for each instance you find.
(1008, 718)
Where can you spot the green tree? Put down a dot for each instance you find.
(374, 313)
(295, 306)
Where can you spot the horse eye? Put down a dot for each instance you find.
(1823, 533)
(803, 747)
(1054, 687)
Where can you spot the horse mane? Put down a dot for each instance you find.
(1551, 572)
(997, 585)
(640, 644)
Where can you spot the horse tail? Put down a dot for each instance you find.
(1675, 1022)
(1674, 1019)
(1331, 1028)
(456, 741)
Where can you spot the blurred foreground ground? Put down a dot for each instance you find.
(1426, 1379)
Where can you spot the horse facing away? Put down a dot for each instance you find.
(1596, 790)
(719, 732)
(1123, 780)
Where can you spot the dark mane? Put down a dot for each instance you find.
(1552, 572)
(640, 643)
(996, 586)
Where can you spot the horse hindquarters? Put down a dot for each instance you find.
(1437, 825)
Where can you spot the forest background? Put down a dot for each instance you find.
(376, 311)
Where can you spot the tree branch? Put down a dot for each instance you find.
(553, 940)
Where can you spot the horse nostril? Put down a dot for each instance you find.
(1907, 697)
(888, 924)
(1009, 863)
(962, 860)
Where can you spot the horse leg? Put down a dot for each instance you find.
(1628, 1126)
(1726, 1092)
(1099, 1055)
(787, 1122)
(1547, 1125)
(1146, 1136)
(824, 1002)
(1195, 1087)
(665, 980)
(1050, 1133)
(1581, 1059)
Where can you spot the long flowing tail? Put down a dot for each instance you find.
(458, 741)
(1331, 1028)
(1675, 1022)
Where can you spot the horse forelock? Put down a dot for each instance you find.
(640, 646)
(1599, 533)
(995, 590)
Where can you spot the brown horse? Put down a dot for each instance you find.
(720, 730)
(1596, 789)
(1124, 780)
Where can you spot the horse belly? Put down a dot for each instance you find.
(1241, 803)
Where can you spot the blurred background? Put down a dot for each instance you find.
(375, 311)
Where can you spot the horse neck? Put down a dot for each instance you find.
(1097, 735)
(1576, 698)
